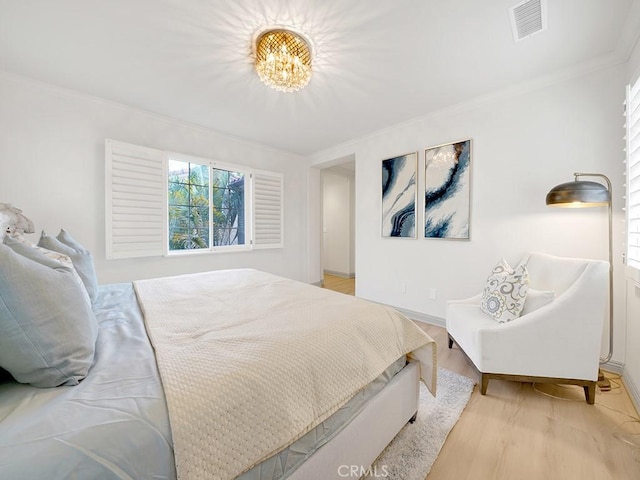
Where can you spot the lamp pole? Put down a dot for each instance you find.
(577, 175)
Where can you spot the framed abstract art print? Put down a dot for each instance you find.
(447, 192)
(399, 195)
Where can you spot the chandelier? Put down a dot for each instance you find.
(283, 60)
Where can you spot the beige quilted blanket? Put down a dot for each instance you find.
(250, 361)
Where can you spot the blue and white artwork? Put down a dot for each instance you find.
(399, 193)
(447, 193)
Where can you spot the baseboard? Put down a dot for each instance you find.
(634, 392)
(340, 274)
(423, 317)
(613, 366)
(319, 283)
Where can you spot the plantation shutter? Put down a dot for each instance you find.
(633, 175)
(267, 210)
(136, 189)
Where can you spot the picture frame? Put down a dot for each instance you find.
(447, 191)
(399, 196)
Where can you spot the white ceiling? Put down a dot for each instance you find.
(378, 62)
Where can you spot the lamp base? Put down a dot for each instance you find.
(603, 382)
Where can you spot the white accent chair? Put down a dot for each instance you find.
(558, 342)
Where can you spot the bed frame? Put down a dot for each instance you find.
(359, 443)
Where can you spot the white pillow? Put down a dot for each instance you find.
(537, 299)
(504, 295)
(47, 329)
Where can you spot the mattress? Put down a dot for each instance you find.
(115, 423)
(284, 463)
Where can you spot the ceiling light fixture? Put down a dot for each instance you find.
(283, 59)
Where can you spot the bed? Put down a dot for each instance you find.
(226, 374)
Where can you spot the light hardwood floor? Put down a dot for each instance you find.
(521, 431)
(340, 284)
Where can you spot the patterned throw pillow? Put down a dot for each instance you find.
(505, 293)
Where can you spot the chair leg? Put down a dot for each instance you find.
(450, 341)
(484, 382)
(590, 393)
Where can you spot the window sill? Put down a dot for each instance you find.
(208, 251)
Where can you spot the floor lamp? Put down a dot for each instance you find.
(581, 194)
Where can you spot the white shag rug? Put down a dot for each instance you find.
(411, 454)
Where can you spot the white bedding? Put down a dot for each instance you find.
(250, 361)
(113, 425)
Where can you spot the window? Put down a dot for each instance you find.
(188, 196)
(159, 203)
(633, 176)
(207, 205)
(228, 206)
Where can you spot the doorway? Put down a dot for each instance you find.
(338, 226)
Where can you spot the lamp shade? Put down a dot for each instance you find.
(579, 193)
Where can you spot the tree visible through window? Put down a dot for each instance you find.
(188, 205)
(206, 206)
(227, 191)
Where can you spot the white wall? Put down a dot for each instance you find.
(523, 145)
(52, 166)
(314, 227)
(337, 210)
(352, 226)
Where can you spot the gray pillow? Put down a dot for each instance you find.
(47, 330)
(46, 257)
(81, 258)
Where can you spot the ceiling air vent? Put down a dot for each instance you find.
(528, 18)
